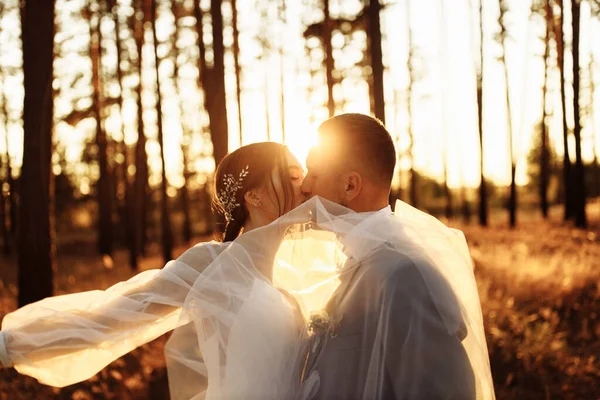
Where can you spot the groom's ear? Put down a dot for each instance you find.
(353, 185)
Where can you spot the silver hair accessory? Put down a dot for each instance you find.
(227, 196)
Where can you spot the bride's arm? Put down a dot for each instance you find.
(65, 339)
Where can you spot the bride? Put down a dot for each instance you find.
(66, 339)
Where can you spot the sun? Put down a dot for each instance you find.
(300, 143)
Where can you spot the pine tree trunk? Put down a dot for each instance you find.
(124, 196)
(12, 188)
(141, 190)
(449, 211)
(213, 79)
(5, 240)
(282, 18)
(185, 201)
(512, 202)
(329, 62)
(579, 172)
(6, 248)
(544, 156)
(36, 234)
(376, 55)
(219, 129)
(166, 235)
(483, 198)
(560, 44)
(236, 64)
(409, 98)
(104, 181)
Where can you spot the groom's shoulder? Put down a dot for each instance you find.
(391, 266)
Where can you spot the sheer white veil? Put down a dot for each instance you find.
(249, 318)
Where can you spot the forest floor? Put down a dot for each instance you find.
(539, 287)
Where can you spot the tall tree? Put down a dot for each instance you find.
(187, 137)
(236, 65)
(579, 171)
(595, 161)
(376, 57)
(266, 46)
(124, 196)
(36, 233)
(5, 243)
(166, 235)
(10, 181)
(140, 186)
(329, 62)
(503, 37)
(410, 64)
(212, 78)
(283, 20)
(5, 234)
(567, 167)
(10, 200)
(103, 186)
(483, 197)
(445, 148)
(544, 147)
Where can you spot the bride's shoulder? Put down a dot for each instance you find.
(203, 253)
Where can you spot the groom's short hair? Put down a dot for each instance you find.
(365, 140)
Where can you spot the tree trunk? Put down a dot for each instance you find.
(282, 17)
(185, 201)
(409, 97)
(104, 181)
(449, 211)
(512, 202)
(594, 127)
(6, 248)
(36, 233)
(560, 44)
(483, 198)
(141, 190)
(236, 64)
(544, 156)
(213, 79)
(5, 244)
(218, 111)
(579, 172)
(124, 196)
(166, 235)
(376, 55)
(329, 62)
(12, 188)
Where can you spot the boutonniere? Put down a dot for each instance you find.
(321, 323)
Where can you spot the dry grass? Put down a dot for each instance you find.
(540, 292)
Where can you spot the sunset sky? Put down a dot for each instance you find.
(445, 114)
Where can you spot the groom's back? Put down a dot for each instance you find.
(392, 341)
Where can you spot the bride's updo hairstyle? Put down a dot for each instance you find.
(250, 167)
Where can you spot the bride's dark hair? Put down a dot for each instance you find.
(259, 160)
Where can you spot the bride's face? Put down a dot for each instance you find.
(275, 196)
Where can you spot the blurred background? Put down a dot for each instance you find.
(113, 114)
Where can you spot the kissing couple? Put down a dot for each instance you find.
(317, 290)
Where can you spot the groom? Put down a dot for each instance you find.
(392, 341)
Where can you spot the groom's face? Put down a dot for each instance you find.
(323, 177)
